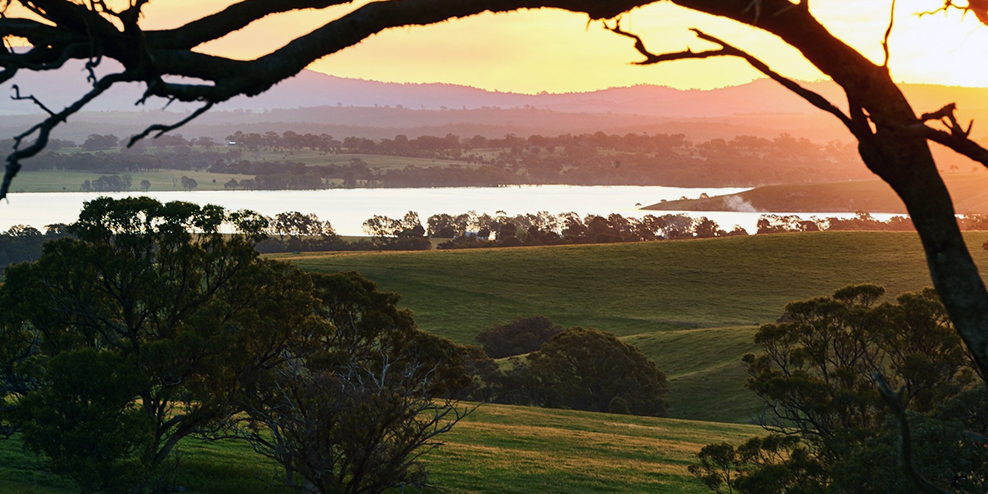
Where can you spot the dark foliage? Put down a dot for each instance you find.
(23, 243)
(817, 375)
(176, 316)
(586, 369)
(355, 412)
(521, 335)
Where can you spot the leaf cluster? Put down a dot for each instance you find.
(817, 374)
(587, 369)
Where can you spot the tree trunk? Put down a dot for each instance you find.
(881, 121)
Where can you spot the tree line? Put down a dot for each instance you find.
(584, 159)
(293, 231)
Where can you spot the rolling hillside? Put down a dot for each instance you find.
(692, 306)
(497, 449)
(680, 302)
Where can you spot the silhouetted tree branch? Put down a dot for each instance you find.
(727, 50)
(979, 7)
(957, 138)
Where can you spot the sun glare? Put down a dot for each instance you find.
(556, 51)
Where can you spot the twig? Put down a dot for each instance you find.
(888, 32)
(981, 13)
(756, 6)
(727, 50)
(44, 128)
(956, 137)
(161, 129)
(17, 97)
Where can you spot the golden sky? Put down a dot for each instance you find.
(555, 51)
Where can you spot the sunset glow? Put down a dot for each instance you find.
(556, 51)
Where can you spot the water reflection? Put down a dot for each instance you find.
(347, 209)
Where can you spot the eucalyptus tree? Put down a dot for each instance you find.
(144, 328)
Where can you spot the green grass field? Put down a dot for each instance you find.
(637, 287)
(692, 306)
(496, 449)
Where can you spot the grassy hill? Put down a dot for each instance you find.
(969, 190)
(680, 302)
(496, 449)
(692, 306)
(637, 287)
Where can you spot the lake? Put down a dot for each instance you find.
(347, 209)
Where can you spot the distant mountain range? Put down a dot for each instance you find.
(313, 89)
(314, 101)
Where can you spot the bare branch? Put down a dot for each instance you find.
(17, 97)
(981, 12)
(956, 137)
(651, 58)
(727, 50)
(961, 146)
(947, 109)
(888, 32)
(162, 129)
(44, 128)
(906, 462)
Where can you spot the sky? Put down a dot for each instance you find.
(556, 51)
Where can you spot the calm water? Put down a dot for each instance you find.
(347, 209)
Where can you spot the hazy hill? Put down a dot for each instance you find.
(315, 102)
(314, 89)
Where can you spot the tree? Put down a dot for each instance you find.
(817, 374)
(819, 366)
(356, 413)
(145, 185)
(97, 142)
(776, 463)
(86, 422)
(349, 430)
(587, 369)
(406, 233)
(189, 183)
(297, 226)
(521, 335)
(165, 317)
(447, 226)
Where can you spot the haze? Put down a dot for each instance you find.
(556, 51)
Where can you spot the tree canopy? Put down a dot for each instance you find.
(832, 430)
(587, 369)
(150, 325)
